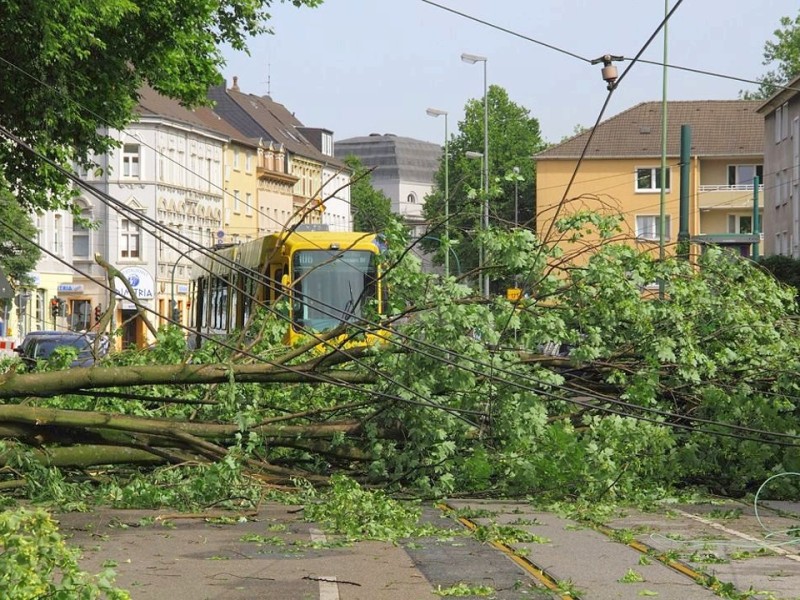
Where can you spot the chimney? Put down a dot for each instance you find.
(235, 86)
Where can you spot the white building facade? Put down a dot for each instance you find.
(166, 171)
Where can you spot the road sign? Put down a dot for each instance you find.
(513, 294)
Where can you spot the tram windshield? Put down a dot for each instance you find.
(331, 287)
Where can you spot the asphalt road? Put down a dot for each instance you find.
(676, 553)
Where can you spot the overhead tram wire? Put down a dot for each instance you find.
(508, 31)
(339, 383)
(172, 233)
(611, 89)
(457, 412)
(320, 378)
(304, 210)
(584, 59)
(475, 371)
(100, 195)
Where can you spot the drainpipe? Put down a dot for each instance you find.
(756, 222)
(683, 232)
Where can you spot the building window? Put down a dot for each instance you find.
(58, 236)
(648, 227)
(129, 237)
(785, 121)
(412, 198)
(39, 309)
(740, 224)
(648, 179)
(39, 228)
(248, 163)
(236, 160)
(80, 235)
(744, 174)
(327, 144)
(237, 203)
(248, 204)
(130, 160)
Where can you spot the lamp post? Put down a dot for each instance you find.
(435, 112)
(174, 314)
(472, 59)
(475, 155)
(516, 197)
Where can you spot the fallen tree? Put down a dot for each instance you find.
(587, 386)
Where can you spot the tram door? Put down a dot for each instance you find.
(275, 290)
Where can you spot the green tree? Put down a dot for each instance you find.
(784, 53)
(371, 208)
(514, 136)
(71, 70)
(18, 256)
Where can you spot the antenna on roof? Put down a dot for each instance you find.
(269, 79)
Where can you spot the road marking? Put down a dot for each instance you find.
(328, 588)
(742, 535)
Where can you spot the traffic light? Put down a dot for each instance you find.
(98, 310)
(55, 305)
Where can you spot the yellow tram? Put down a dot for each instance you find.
(329, 277)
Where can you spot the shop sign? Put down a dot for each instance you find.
(141, 281)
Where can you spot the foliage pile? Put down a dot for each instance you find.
(466, 396)
(35, 562)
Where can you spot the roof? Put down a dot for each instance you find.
(784, 94)
(153, 104)
(260, 116)
(719, 128)
(396, 157)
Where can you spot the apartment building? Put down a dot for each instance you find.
(621, 175)
(781, 136)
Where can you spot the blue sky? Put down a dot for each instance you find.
(373, 66)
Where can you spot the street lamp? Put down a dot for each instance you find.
(516, 196)
(472, 59)
(484, 222)
(175, 313)
(435, 112)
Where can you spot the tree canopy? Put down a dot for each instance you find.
(18, 256)
(588, 388)
(514, 136)
(370, 207)
(71, 70)
(784, 53)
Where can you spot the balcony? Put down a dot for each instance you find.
(728, 196)
(276, 176)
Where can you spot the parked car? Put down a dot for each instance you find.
(40, 345)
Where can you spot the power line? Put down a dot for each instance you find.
(508, 31)
(584, 59)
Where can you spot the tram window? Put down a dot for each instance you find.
(331, 287)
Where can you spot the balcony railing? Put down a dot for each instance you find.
(728, 196)
(740, 187)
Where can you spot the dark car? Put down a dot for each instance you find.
(40, 345)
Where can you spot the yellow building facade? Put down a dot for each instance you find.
(620, 175)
